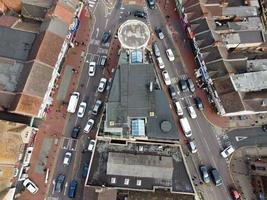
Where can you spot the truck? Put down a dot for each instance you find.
(186, 127)
(74, 98)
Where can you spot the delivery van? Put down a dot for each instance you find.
(186, 127)
(74, 98)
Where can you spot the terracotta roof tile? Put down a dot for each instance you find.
(64, 13)
(28, 105)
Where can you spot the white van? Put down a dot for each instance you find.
(179, 109)
(186, 127)
(73, 102)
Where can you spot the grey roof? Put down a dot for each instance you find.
(55, 26)
(35, 9)
(240, 11)
(130, 98)
(151, 165)
(15, 44)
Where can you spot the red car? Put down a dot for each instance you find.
(235, 195)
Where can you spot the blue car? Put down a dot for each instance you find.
(85, 170)
(72, 189)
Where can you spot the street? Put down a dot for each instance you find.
(107, 19)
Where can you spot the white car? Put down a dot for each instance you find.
(192, 112)
(89, 125)
(160, 63)
(92, 68)
(166, 77)
(30, 186)
(91, 145)
(170, 54)
(228, 151)
(102, 85)
(81, 109)
(192, 146)
(67, 158)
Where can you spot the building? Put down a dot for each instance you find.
(230, 49)
(41, 49)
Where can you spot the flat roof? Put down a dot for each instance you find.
(139, 166)
(240, 11)
(244, 37)
(257, 65)
(130, 99)
(251, 23)
(15, 44)
(251, 81)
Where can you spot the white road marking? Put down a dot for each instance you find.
(97, 32)
(240, 138)
(65, 189)
(106, 23)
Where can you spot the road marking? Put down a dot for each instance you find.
(240, 138)
(97, 32)
(65, 143)
(106, 23)
(207, 145)
(65, 189)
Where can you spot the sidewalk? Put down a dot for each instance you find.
(47, 141)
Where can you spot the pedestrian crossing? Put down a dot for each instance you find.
(92, 3)
(69, 144)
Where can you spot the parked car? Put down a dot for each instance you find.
(75, 132)
(102, 85)
(89, 125)
(264, 127)
(85, 170)
(96, 107)
(166, 77)
(170, 55)
(235, 194)
(159, 33)
(192, 112)
(204, 173)
(227, 151)
(192, 145)
(151, 4)
(199, 103)
(179, 109)
(103, 60)
(59, 183)
(140, 14)
(81, 109)
(91, 71)
(91, 145)
(160, 63)
(172, 93)
(183, 85)
(105, 37)
(217, 179)
(155, 49)
(72, 188)
(67, 158)
(190, 85)
(30, 186)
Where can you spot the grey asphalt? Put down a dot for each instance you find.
(203, 133)
(246, 137)
(87, 87)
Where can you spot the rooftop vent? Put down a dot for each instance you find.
(111, 123)
(126, 181)
(166, 126)
(138, 182)
(113, 180)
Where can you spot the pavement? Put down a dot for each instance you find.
(48, 138)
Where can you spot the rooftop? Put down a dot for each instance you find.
(130, 98)
(240, 11)
(251, 81)
(133, 34)
(15, 44)
(139, 166)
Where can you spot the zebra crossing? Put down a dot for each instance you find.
(91, 3)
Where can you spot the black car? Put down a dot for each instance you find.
(264, 127)
(159, 33)
(105, 37)
(85, 170)
(199, 103)
(59, 183)
(183, 85)
(172, 92)
(151, 4)
(140, 14)
(75, 132)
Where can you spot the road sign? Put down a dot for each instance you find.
(239, 138)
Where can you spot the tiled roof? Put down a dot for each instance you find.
(27, 105)
(64, 13)
(8, 21)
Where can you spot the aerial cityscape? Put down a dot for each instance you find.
(133, 99)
